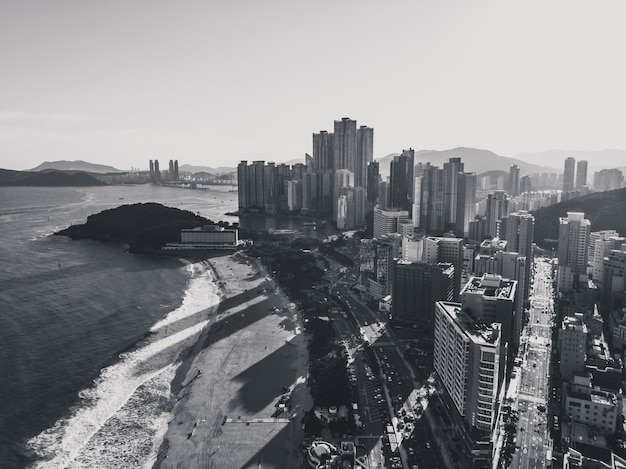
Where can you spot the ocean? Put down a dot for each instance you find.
(90, 334)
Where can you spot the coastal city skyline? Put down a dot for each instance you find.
(212, 84)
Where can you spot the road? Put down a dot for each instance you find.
(533, 437)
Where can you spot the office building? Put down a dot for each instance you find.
(572, 251)
(386, 221)
(581, 174)
(568, 174)
(416, 287)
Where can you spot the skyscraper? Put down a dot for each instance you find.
(497, 207)
(514, 181)
(432, 204)
(373, 178)
(323, 155)
(572, 251)
(401, 180)
(466, 202)
(581, 174)
(345, 144)
(452, 168)
(364, 154)
(568, 173)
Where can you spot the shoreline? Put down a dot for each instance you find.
(225, 392)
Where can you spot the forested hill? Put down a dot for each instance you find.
(145, 227)
(47, 178)
(605, 211)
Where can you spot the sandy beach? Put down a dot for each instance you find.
(227, 390)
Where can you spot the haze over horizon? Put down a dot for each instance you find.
(212, 83)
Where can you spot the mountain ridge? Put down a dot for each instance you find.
(78, 165)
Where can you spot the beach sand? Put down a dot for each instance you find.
(226, 390)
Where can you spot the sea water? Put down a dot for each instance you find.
(90, 334)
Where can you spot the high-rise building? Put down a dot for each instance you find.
(344, 145)
(351, 208)
(170, 176)
(452, 168)
(294, 195)
(157, 172)
(573, 346)
(466, 202)
(572, 251)
(525, 184)
(432, 203)
(373, 179)
(568, 173)
(469, 360)
(514, 182)
(491, 298)
(497, 207)
(508, 265)
(448, 250)
(416, 287)
(401, 180)
(613, 292)
(581, 174)
(386, 221)
(364, 154)
(608, 180)
(517, 229)
(323, 154)
(600, 244)
(151, 171)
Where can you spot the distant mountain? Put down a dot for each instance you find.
(597, 160)
(47, 178)
(605, 211)
(475, 161)
(188, 168)
(76, 166)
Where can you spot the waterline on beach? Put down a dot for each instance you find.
(119, 418)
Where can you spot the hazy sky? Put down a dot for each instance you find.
(213, 82)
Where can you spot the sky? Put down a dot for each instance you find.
(212, 82)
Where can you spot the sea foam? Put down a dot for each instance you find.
(120, 418)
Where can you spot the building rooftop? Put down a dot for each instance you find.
(490, 285)
(475, 329)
